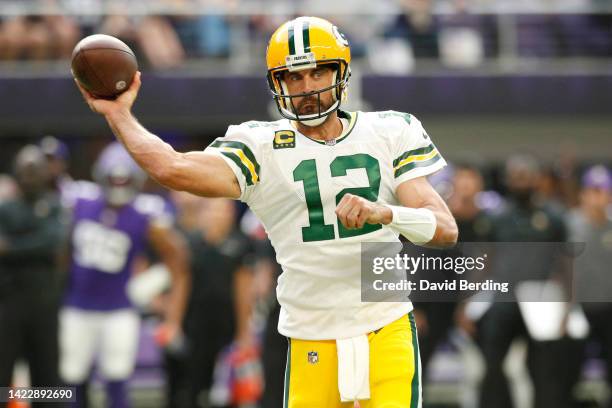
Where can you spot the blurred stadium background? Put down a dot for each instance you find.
(487, 78)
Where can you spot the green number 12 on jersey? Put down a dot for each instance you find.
(306, 172)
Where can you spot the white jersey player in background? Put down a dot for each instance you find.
(322, 181)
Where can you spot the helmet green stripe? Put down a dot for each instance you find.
(306, 36)
(291, 41)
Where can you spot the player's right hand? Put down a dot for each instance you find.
(123, 103)
(354, 212)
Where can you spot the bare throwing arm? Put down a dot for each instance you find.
(196, 172)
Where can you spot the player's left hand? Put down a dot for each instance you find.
(354, 212)
(166, 333)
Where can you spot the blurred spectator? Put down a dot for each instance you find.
(98, 319)
(151, 35)
(484, 27)
(461, 37)
(274, 344)
(474, 224)
(8, 187)
(474, 210)
(435, 319)
(524, 221)
(220, 306)
(87, 21)
(418, 26)
(57, 155)
(548, 190)
(566, 168)
(39, 37)
(24, 37)
(31, 235)
(206, 35)
(590, 225)
(65, 33)
(188, 209)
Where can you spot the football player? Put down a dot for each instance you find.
(322, 180)
(108, 231)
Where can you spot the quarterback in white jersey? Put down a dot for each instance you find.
(322, 181)
(293, 184)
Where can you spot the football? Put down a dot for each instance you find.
(104, 65)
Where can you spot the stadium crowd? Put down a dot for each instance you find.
(459, 33)
(62, 258)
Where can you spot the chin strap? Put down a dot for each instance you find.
(311, 120)
(334, 94)
(314, 122)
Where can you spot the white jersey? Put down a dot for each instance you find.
(293, 184)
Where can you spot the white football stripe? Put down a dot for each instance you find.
(298, 36)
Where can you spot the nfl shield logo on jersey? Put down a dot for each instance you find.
(313, 357)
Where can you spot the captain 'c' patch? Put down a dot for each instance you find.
(284, 139)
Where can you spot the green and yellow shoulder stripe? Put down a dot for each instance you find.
(412, 159)
(242, 156)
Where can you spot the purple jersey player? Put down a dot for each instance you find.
(109, 230)
(104, 244)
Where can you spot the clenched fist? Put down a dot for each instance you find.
(354, 212)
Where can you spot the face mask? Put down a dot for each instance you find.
(119, 196)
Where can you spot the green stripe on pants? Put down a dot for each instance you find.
(287, 375)
(415, 394)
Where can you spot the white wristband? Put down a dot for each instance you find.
(418, 225)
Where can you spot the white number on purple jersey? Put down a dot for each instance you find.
(99, 247)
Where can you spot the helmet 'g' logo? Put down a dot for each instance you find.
(340, 37)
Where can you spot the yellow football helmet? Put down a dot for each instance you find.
(304, 43)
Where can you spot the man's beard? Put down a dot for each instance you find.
(310, 106)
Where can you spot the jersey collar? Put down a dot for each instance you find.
(352, 119)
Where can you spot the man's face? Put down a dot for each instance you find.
(217, 214)
(595, 198)
(56, 166)
(30, 173)
(522, 180)
(467, 183)
(310, 80)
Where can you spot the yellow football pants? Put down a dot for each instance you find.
(311, 376)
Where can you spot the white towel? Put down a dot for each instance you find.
(354, 368)
(543, 319)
